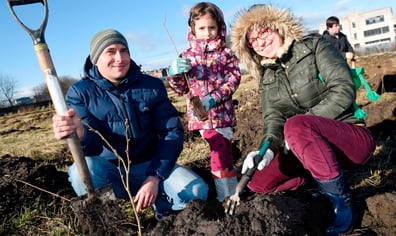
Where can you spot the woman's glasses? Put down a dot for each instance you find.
(261, 34)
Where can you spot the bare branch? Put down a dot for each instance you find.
(7, 88)
(43, 190)
(126, 165)
(169, 35)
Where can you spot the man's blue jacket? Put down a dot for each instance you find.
(137, 111)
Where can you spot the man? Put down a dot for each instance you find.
(133, 113)
(337, 38)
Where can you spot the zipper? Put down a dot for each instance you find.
(207, 72)
(289, 91)
(130, 135)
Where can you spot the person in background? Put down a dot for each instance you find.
(133, 113)
(311, 118)
(208, 69)
(337, 38)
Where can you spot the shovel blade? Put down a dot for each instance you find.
(103, 194)
(106, 193)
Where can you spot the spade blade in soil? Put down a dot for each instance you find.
(232, 202)
(102, 194)
(198, 108)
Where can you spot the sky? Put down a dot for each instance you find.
(72, 23)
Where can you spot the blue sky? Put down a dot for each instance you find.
(72, 23)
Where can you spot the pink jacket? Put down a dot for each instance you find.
(215, 71)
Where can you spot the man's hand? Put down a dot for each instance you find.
(64, 126)
(147, 193)
(248, 163)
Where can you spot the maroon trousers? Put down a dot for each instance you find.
(319, 145)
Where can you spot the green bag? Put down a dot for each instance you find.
(357, 75)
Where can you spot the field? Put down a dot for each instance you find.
(36, 195)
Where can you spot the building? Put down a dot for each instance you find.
(374, 29)
(23, 101)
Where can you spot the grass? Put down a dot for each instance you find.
(29, 134)
(44, 217)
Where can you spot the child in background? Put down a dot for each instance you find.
(208, 69)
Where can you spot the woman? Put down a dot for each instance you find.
(313, 117)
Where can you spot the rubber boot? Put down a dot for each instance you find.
(338, 192)
(225, 187)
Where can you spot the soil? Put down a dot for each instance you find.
(30, 184)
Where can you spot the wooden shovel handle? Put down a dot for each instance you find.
(51, 79)
(73, 142)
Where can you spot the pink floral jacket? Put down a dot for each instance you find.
(215, 71)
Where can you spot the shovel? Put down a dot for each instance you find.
(234, 200)
(51, 78)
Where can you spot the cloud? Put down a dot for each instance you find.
(25, 92)
(342, 5)
(313, 20)
(141, 40)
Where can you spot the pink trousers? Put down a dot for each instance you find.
(221, 160)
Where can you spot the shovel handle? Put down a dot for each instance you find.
(51, 79)
(23, 2)
(249, 173)
(55, 91)
(37, 35)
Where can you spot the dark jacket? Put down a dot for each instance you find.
(340, 42)
(155, 131)
(289, 85)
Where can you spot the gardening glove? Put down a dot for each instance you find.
(248, 163)
(179, 66)
(208, 102)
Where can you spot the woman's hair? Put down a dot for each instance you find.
(202, 9)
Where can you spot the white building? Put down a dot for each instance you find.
(367, 30)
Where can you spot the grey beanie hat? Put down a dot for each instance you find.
(101, 40)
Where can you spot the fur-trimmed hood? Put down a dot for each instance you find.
(282, 20)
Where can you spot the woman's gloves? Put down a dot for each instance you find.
(248, 163)
(179, 66)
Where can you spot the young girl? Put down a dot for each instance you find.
(209, 70)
